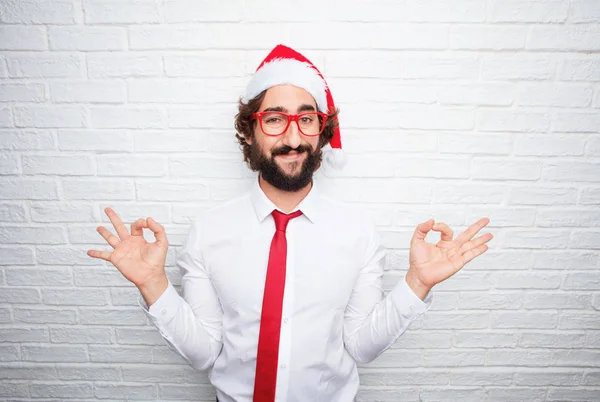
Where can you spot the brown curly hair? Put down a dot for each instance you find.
(244, 125)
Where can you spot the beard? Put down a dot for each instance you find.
(274, 175)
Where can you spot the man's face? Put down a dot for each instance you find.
(289, 160)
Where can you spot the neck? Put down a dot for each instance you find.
(284, 200)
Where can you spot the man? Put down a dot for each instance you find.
(282, 287)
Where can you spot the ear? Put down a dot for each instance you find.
(248, 139)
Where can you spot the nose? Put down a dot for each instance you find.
(292, 137)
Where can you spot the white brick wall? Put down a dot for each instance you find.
(449, 109)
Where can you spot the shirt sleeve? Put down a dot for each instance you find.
(190, 324)
(372, 322)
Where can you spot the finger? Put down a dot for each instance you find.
(108, 236)
(103, 255)
(137, 227)
(474, 252)
(422, 229)
(117, 223)
(478, 241)
(159, 231)
(471, 231)
(446, 232)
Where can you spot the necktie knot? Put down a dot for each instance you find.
(281, 219)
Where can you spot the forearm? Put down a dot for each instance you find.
(370, 336)
(197, 341)
(153, 289)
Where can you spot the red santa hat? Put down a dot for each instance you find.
(286, 66)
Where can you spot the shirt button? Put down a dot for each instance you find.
(283, 366)
(163, 311)
(285, 320)
(412, 308)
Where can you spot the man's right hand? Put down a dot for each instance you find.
(142, 263)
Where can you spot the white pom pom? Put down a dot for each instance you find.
(335, 157)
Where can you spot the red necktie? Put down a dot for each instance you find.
(270, 320)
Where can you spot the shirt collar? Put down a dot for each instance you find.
(263, 206)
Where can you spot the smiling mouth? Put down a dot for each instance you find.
(292, 156)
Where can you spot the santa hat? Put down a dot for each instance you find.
(286, 66)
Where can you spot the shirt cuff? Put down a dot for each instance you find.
(163, 309)
(407, 302)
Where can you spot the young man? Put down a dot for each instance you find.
(282, 287)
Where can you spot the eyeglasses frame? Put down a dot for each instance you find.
(290, 117)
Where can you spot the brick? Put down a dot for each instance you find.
(376, 141)
(485, 339)
(465, 143)
(585, 239)
(44, 65)
(100, 189)
(116, 65)
(32, 235)
(581, 69)
(130, 117)
(64, 256)
(527, 280)
(505, 169)
(542, 195)
(480, 377)
(576, 122)
(130, 212)
(581, 358)
(516, 394)
(549, 145)
(53, 354)
(62, 390)
(31, 276)
(591, 378)
(128, 391)
(519, 319)
(556, 300)
(53, 12)
(517, 67)
(91, 373)
(410, 216)
(28, 372)
(507, 259)
(67, 212)
(88, 92)
(123, 12)
(584, 11)
(571, 171)
(187, 11)
(50, 116)
(179, 141)
(112, 355)
(412, 339)
(95, 140)
(120, 316)
(88, 38)
(9, 164)
(6, 117)
(402, 377)
(57, 165)
(87, 235)
(81, 335)
(564, 37)
(536, 239)
(202, 64)
(572, 394)
(555, 378)
(16, 256)
(29, 92)
(516, 357)
(489, 301)
(453, 358)
(461, 193)
(551, 340)
(104, 277)
(74, 297)
(453, 394)
(502, 216)
(167, 391)
(22, 38)
(26, 140)
(565, 259)
(593, 147)
(559, 95)
(590, 196)
(388, 394)
(14, 390)
(581, 281)
(447, 320)
(222, 166)
(578, 320)
(173, 91)
(492, 37)
(488, 94)
(508, 120)
(139, 166)
(23, 334)
(155, 374)
(533, 11)
(170, 191)
(12, 213)
(5, 315)
(568, 218)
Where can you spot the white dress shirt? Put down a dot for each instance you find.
(334, 313)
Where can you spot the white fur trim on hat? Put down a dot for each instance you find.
(335, 157)
(288, 71)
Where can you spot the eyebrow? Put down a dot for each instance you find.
(303, 108)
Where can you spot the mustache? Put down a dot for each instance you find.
(284, 150)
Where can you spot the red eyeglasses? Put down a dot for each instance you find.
(276, 123)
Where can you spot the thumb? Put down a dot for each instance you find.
(422, 230)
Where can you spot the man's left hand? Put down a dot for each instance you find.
(431, 264)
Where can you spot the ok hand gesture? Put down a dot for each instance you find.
(139, 261)
(431, 264)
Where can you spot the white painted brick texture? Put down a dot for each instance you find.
(449, 109)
